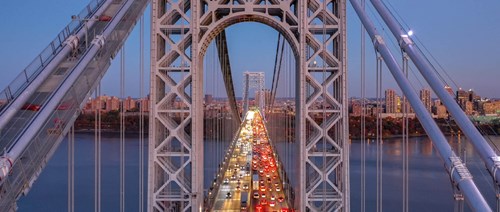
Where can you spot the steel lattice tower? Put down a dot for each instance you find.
(253, 80)
(181, 33)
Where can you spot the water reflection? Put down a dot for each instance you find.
(430, 187)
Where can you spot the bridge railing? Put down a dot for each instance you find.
(287, 189)
(214, 188)
(26, 76)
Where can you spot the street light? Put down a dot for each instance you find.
(410, 33)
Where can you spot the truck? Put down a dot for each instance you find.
(255, 181)
(244, 201)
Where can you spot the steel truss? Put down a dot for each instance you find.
(181, 33)
(253, 80)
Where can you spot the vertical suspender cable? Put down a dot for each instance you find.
(218, 148)
(97, 151)
(474, 198)
(379, 135)
(218, 145)
(141, 116)
(71, 169)
(122, 130)
(363, 116)
(405, 132)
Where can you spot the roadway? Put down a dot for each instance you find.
(252, 168)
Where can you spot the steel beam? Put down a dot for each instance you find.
(486, 153)
(456, 169)
(204, 21)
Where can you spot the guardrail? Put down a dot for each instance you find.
(214, 188)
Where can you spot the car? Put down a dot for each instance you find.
(228, 195)
(245, 186)
(273, 197)
(274, 177)
(233, 177)
(263, 201)
(281, 199)
(263, 195)
(278, 188)
(272, 203)
(256, 195)
(226, 181)
(65, 105)
(238, 188)
(32, 107)
(276, 184)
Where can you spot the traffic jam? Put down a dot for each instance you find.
(253, 156)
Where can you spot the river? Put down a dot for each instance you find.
(430, 188)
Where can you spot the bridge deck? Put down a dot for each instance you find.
(253, 170)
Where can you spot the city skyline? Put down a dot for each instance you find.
(301, 139)
(468, 63)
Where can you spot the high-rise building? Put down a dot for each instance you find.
(492, 107)
(450, 90)
(462, 98)
(441, 111)
(469, 108)
(112, 103)
(425, 97)
(129, 104)
(391, 101)
(356, 109)
(209, 99)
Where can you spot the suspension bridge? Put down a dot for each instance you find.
(287, 149)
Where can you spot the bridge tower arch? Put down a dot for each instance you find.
(181, 32)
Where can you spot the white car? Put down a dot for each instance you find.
(256, 195)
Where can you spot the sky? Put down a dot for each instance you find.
(463, 35)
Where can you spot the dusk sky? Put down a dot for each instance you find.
(462, 34)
